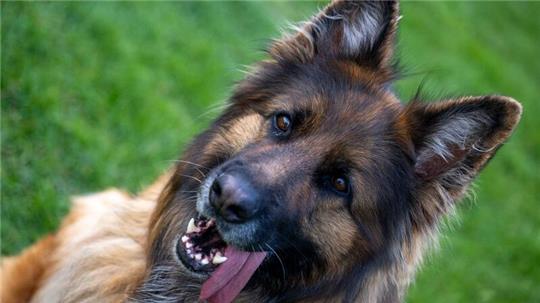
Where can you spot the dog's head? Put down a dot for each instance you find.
(318, 163)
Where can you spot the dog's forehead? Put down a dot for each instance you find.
(341, 108)
(343, 90)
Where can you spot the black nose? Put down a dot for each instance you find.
(234, 198)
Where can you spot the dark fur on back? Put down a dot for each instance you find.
(407, 165)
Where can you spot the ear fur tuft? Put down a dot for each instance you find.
(359, 31)
(453, 140)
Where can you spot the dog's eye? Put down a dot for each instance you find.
(340, 184)
(282, 123)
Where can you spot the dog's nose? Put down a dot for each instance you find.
(234, 198)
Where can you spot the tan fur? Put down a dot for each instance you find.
(344, 238)
(21, 276)
(96, 256)
(237, 135)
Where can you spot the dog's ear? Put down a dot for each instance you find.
(452, 141)
(360, 31)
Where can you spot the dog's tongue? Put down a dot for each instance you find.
(230, 277)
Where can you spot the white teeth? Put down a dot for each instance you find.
(191, 226)
(218, 259)
(188, 251)
(189, 245)
(185, 239)
(198, 257)
(205, 261)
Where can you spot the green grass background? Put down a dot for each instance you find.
(107, 94)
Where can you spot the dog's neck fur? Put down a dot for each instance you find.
(379, 282)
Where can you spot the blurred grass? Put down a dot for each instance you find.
(106, 94)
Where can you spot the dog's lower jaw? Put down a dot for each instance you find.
(372, 284)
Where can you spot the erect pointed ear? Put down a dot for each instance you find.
(453, 140)
(361, 31)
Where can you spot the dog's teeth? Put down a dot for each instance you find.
(218, 259)
(189, 245)
(185, 239)
(191, 226)
(188, 251)
(198, 257)
(205, 261)
(191, 256)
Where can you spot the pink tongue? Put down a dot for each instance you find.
(230, 277)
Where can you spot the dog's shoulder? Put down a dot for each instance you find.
(97, 255)
(21, 275)
(100, 252)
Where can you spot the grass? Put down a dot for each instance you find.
(107, 94)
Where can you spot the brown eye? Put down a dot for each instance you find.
(282, 122)
(340, 184)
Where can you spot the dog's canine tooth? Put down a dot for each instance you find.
(191, 226)
(185, 239)
(218, 259)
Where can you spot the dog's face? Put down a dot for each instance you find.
(307, 163)
(316, 162)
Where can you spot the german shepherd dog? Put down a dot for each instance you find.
(316, 184)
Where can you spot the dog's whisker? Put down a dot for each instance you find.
(295, 247)
(192, 177)
(218, 107)
(203, 174)
(190, 191)
(192, 163)
(280, 261)
(191, 199)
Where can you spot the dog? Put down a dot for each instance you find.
(316, 184)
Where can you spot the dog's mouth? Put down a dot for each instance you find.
(201, 248)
